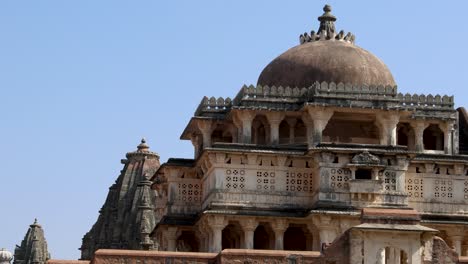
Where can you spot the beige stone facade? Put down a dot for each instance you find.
(342, 169)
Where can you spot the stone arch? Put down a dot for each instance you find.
(187, 242)
(264, 237)
(300, 132)
(405, 136)
(284, 132)
(433, 138)
(232, 236)
(221, 134)
(260, 130)
(295, 238)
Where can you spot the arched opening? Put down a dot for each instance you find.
(231, 236)
(295, 239)
(187, 242)
(221, 135)
(433, 138)
(263, 237)
(300, 132)
(284, 132)
(405, 136)
(260, 130)
(346, 128)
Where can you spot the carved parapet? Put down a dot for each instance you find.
(266, 92)
(354, 91)
(425, 101)
(213, 105)
(326, 35)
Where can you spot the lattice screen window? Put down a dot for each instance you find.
(299, 181)
(465, 190)
(190, 192)
(443, 189)
(339, 178)
(266, 180)
(389, 180)
(235, 179)
(414, 188)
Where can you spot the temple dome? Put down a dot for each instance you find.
(328, 57)
(5, 256)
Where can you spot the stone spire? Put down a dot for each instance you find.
(33, 248)
(128, 207)
(327, 21)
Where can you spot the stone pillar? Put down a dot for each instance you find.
(171, 236)
(246, 118)
(448, 130)
(248, 226)
(206, 128)
(388, 128)
(418, 127)
(326, 228)
(279, 227)
(320, 118)
(196, 145)
(274, 118)
(315, 237)
(381, 256)
(217, 224)
(356, 250)
(309, 124)
(457, 243)
(353, 172)
(292, 125)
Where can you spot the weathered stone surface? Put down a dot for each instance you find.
(33, 248)
(127, 217)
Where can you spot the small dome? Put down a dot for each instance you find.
(328, 57)
(5, 256)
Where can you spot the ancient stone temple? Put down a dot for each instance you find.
(33, 248)
(322, 161)
(127, 217)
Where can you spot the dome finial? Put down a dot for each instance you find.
(143, 147)
(327, 21)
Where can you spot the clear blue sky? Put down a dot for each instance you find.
(82, 81)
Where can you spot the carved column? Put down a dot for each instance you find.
(388, 125)
(292, 125)
(217, 224)
(457, 243)
(326, 229)
(320, 118)
(356, 249)
(274, 118)
(248, 226)
(171, 237)
(381, 256)
(418, 127)
(206, 128)
(246, 118)
(196, 144)
(448, 129)
(309, 129)
(279, 227)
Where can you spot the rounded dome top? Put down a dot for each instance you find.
(326, 57)
(5, 256)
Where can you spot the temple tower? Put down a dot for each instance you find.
(33, 248)
(127, 217)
